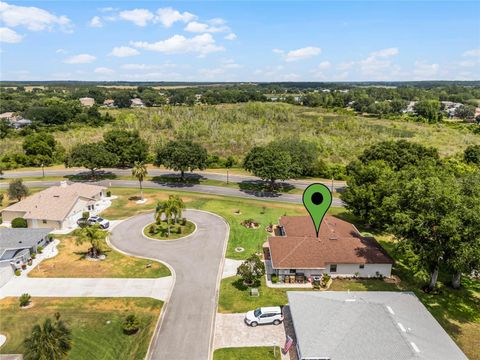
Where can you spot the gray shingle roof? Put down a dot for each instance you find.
(368, 325)
(20, 238)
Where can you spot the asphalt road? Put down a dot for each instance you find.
(301, 184)
(204, 189)
(186, 331)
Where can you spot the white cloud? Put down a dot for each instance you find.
(217, 26)
(140, 17)
(472, 53)
(9, 36)
(345, 65)
(231, 36)
(96, 21)
(33, 18)
(324, 65)
(124, 51)
(80, 59)
(384, 53)
(147, 66)
(230, 64)
(378, 66)
(61, 51)
(299, 54)
(168, 16)
(425, 71)
(103, 71)
(179, 44)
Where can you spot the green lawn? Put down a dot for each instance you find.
(161, 231)
(96, 325)
(235, 297)
(251, 240)
(70, 262)
(247, 353)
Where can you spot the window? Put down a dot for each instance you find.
(362, 266)
(44, 221)
(333, 268)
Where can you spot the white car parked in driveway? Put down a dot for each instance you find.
(264, 315)
(104, 224)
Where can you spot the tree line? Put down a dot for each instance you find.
(432, 206)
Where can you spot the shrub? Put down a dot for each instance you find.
(131, 325)
(184, 221)
(18, 272)
(152, 229)
(179, 230)
(40, 249)
(274, 278)
(109, 193)
(33, 255)
(251, 270)
(1, 220)
(19, 223)
(24, 299)
(85, 214)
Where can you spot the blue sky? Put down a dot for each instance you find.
(240, 40)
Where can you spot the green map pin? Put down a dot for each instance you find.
(317, 199)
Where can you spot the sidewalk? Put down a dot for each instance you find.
(88, 287)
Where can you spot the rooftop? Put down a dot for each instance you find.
(20, 238)
(368, 325)
(338, 242)
(56, 202)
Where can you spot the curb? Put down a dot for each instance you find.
(158, 325)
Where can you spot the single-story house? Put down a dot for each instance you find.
(339, 250)
(16, 121)
(136, 102)
(365, 325)
(16, 245)
(87, 101)
(58, 207)
(109, 103)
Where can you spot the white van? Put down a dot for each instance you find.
(264, 315)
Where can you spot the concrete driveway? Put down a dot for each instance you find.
(158, 288)
(186, 329)
(231, 331)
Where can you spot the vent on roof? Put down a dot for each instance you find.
(56, 196)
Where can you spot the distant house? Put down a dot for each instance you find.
(340, 250)
(58, 207)
(410, 107)
(451, 107)
(87, 101)
(16, 121)
(365, 325)
(16, 245)
(110, 103)
(137, 102)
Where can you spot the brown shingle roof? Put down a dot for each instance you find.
(56, 202)
(339, 242)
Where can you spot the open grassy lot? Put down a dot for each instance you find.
(250, 353)
(250, 239)
(70, 262)
(233, 129)
(96, 325)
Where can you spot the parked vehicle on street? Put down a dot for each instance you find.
(104, 224)
(264, 315)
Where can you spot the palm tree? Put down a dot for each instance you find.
(139, 170)
(178, 206)
(50, 341)
(159, 211)
(94, 235)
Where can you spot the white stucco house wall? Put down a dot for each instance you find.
(58, 207)
(339, 250)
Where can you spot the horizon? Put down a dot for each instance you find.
(239, 42)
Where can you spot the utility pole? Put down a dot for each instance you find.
(43, 169)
